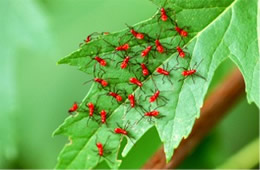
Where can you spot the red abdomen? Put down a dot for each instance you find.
(136, 82)
(131, 98)
(100, 149)
(188, 72)
(162, 71)
(101, 61)
(73, 108)
(120, 131)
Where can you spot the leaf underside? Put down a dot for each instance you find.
(218, 29)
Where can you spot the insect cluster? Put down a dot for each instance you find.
(137, 54)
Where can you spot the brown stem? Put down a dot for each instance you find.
(215, 107)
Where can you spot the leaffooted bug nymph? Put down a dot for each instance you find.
(91, 111)
(123, 131)
(191, 72)
(121, 47)
(150, 114)
(102, 151)
(101, 61)
(163, 13)
(127, 62)
(156, 96)
(73, 108)
(99, 80)
(90, 37)
(136, 34)
(164, 72)
(133, 103)
(116, 94)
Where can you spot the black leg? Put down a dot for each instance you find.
(136, 123)
(177, 59)
(164, 98)
(88, 121)
(106, 141)
(170, 80)
(183, 78)
(127, 125)
(163, 79)
(196, 74)
(195, 67)
(146, 98)
(89, 62)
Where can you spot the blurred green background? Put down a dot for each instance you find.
(36, 93)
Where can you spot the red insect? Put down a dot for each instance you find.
(180, 51)
(101, 61)
(145, 70)
(181, 31)
(119, 130)
(164, 16)
(91, 109)
(153, 113)
(123, 47)
(73, 108)
(100, 148)
(191, 72)
(186, 73)
(102, 82)
(123, 131)
(159, 46)
(162, 71)
(89, 37)
(116, 96)
(136, 34)
(163, 13)
(131, 98)
(150, 114)
(87, 40)
(125, 62)
(154, 97)
(132, 103)
(103, 115)
(165, 73)
(102, 151)
(146, 51)
(136, 81)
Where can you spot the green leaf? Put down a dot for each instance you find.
(18, 34)
(250, 152)
(217, 30)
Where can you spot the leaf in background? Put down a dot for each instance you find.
(23, 29)
(8, 145)
(217, 30)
